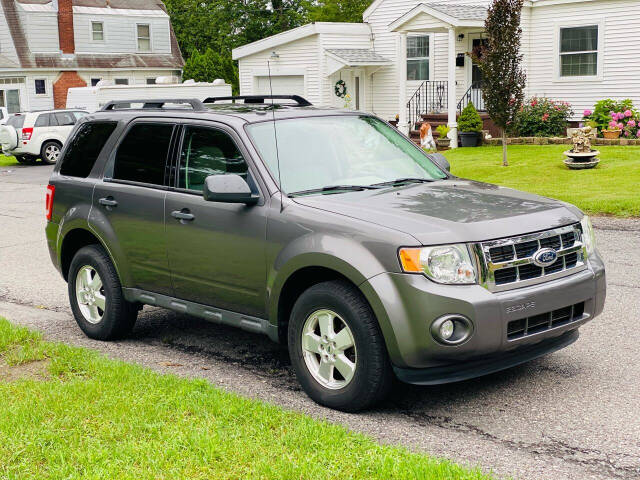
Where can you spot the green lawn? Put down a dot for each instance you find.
(71, 413)
(7, 161)
(613, 188)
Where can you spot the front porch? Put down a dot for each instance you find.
(452, 79)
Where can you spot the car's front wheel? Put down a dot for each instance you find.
(95, 293)
(50, 152)
(337, 349)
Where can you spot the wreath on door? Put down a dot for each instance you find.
(340, 89)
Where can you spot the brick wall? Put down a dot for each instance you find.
(65, 26)
(61, 86)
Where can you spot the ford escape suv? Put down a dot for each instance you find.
(326, 230)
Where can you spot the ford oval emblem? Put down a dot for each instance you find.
(545, 257)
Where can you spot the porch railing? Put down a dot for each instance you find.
(472, 95)
(430, 97)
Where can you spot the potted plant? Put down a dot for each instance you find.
(469, 126)
(611, 132)
(443, 141)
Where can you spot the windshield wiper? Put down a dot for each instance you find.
(335, 188)
(404, 181)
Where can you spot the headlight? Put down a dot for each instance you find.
(449, 264)
(588, 235)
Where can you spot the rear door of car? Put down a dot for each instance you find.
(129, 203)
(43, 127)
(65, 122)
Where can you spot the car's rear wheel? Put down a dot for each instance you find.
(50, 152)
(337, 349)
(95, 293)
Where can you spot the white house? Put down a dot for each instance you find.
(409, 58)
(48, 46)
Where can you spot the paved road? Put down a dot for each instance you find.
(571, 415)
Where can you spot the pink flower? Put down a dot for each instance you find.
(534, 103)
(628, 113)
(631, 123)
(613, 124)
(587, 113)
(545, 117)
(638, 134)
(627, 133)
(620, 125)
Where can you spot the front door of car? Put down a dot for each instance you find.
(128, 206)
(216, 254)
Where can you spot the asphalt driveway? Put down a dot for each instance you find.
(574, 414)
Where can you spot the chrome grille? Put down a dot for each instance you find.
(507, 263)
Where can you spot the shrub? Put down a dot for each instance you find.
(603, 110)
(469, 120)
(443, 130)
(542, 117)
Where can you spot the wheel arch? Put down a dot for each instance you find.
(72, 242)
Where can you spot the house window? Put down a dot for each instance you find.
(144, 38)
(151, 81)
(579, 51)
(122, 81)
(418, 57)
(95, 81)
(97, 31)
(40, 86)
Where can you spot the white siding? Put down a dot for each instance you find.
(385, 83)
(41, 30)
(327, 84)
(620, 76)
(7, 49)
(296, 58)
(120, 33)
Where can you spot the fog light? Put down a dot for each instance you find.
(452, 329)
(446, 329)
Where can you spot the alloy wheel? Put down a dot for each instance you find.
(329, 349)
(52, 152)
(90, 294)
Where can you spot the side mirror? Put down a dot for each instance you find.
(228, 189)
(440, 160)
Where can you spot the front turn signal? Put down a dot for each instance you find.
(410, 260)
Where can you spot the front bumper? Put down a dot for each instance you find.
(407, 305)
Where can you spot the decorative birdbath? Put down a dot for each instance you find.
(581, 157)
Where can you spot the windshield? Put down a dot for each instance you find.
(16, 121)
(320, 152)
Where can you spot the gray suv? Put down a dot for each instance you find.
(326, 230)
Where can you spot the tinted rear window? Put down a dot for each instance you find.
(85, 147)
(45, 120)
(16, 121)
(65, 118)
(142, 154)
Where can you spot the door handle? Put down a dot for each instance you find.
(183, 215)
(108, 202)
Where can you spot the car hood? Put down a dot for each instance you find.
(450, 211)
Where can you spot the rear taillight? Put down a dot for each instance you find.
(26, 134)
(51, 191)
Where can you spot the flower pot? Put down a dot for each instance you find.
(443, 143)
(611, 134)
(468, 139)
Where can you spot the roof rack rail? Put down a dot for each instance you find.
(196, 104)
(261, 99)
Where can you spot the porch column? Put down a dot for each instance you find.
(452, 100)
(403, 122)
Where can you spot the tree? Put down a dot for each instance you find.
(337, 10)
(500, 61)
(210, 65)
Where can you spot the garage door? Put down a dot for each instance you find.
(282, 85)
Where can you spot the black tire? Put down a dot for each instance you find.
(373, 375)
(119, 316)
(45, 147)
(23, 159)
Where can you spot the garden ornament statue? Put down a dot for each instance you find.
(581, 156)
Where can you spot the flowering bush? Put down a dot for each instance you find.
(542, 117)
(612, 114)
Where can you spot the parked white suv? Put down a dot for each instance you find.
(4, 115)
(33, 135)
